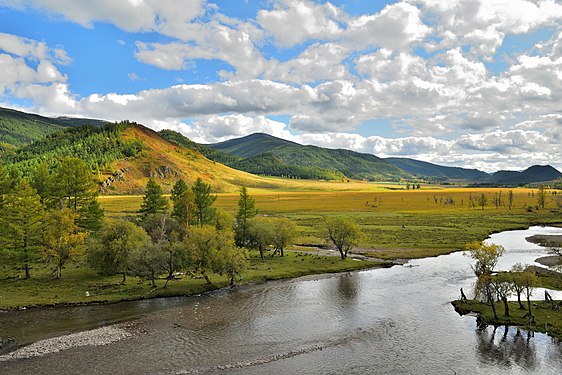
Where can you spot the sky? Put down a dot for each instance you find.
(473, 83)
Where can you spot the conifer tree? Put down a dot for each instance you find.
(153, 201)
(204, 200)
(184, 205)
(41, 181)
(246, 210)
(73, 184)
(21, 226)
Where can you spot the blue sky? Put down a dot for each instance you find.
(473, 83)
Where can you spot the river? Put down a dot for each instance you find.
(394, 320)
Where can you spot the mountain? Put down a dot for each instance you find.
(335, 162)
(534, 174)
(437, 172)
(19, 128)
(125, 155)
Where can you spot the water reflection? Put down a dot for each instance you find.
(506, 347)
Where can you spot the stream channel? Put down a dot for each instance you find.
(395, 320)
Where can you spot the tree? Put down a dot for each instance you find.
(5, 185)
(111, 250)
(541, 196)
(41, 181)
(21, 222)
(166, 233)
(486, 256)
(90, 216)
(482, 200)
(204, 200)
(73, 184)
(510, 199)
(284, 232)
(153, 201)
(516, 270)
(148, 262)
(246, 211)
(62, 240)
(183, 203)
(343, 232)
(223, 220)
(503, 287)
(206, 248)
(260, 233)
(529, 281)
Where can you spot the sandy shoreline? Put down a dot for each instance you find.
(94, 337)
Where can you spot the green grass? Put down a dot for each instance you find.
(43, 289)
(546, 320)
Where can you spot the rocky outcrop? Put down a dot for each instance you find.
(163, 171)
(116, 176)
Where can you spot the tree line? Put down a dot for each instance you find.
(53, 214)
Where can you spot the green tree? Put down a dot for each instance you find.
(541, 196)
(148, 262)
(246, 211)
(516, 270)
(5, 186)
(166, 233)
(260, 233)
(284, 232)
(503, 287)
(21, 223)
(206, 247)
(183, 203)
(62, 240)
(343, 232)
(73, 184)
(486, 257)
(90, 216)
(510, 199)
(41, 181)
(153, 201)
(204, 200)
(111, 250)
(529, 281)
(482, 200)
(224, 220)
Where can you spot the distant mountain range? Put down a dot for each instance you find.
(259, 154)
(19, 128)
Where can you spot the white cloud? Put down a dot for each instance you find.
(133, 15)
(292, 22)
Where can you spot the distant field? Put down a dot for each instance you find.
(395, 223)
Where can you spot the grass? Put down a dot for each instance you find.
(43, 289)
(395, 224)
(546, 320)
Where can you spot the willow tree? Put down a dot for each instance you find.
(343, 233)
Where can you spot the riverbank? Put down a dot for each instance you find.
(546, 320)
(81, 286)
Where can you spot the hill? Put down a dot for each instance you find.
(437, 172)
(534, 174)
(125, 155)
(333, 162)
(19, 128)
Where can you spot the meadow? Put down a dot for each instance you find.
(395, 222)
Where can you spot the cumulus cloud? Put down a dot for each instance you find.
(342, 71)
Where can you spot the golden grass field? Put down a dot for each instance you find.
(395, 223)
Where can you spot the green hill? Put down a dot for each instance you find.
(437, 172)
(334, 161)
(265, 164)
(19, 128)
(534, 174)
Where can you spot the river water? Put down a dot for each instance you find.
(395, 320)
